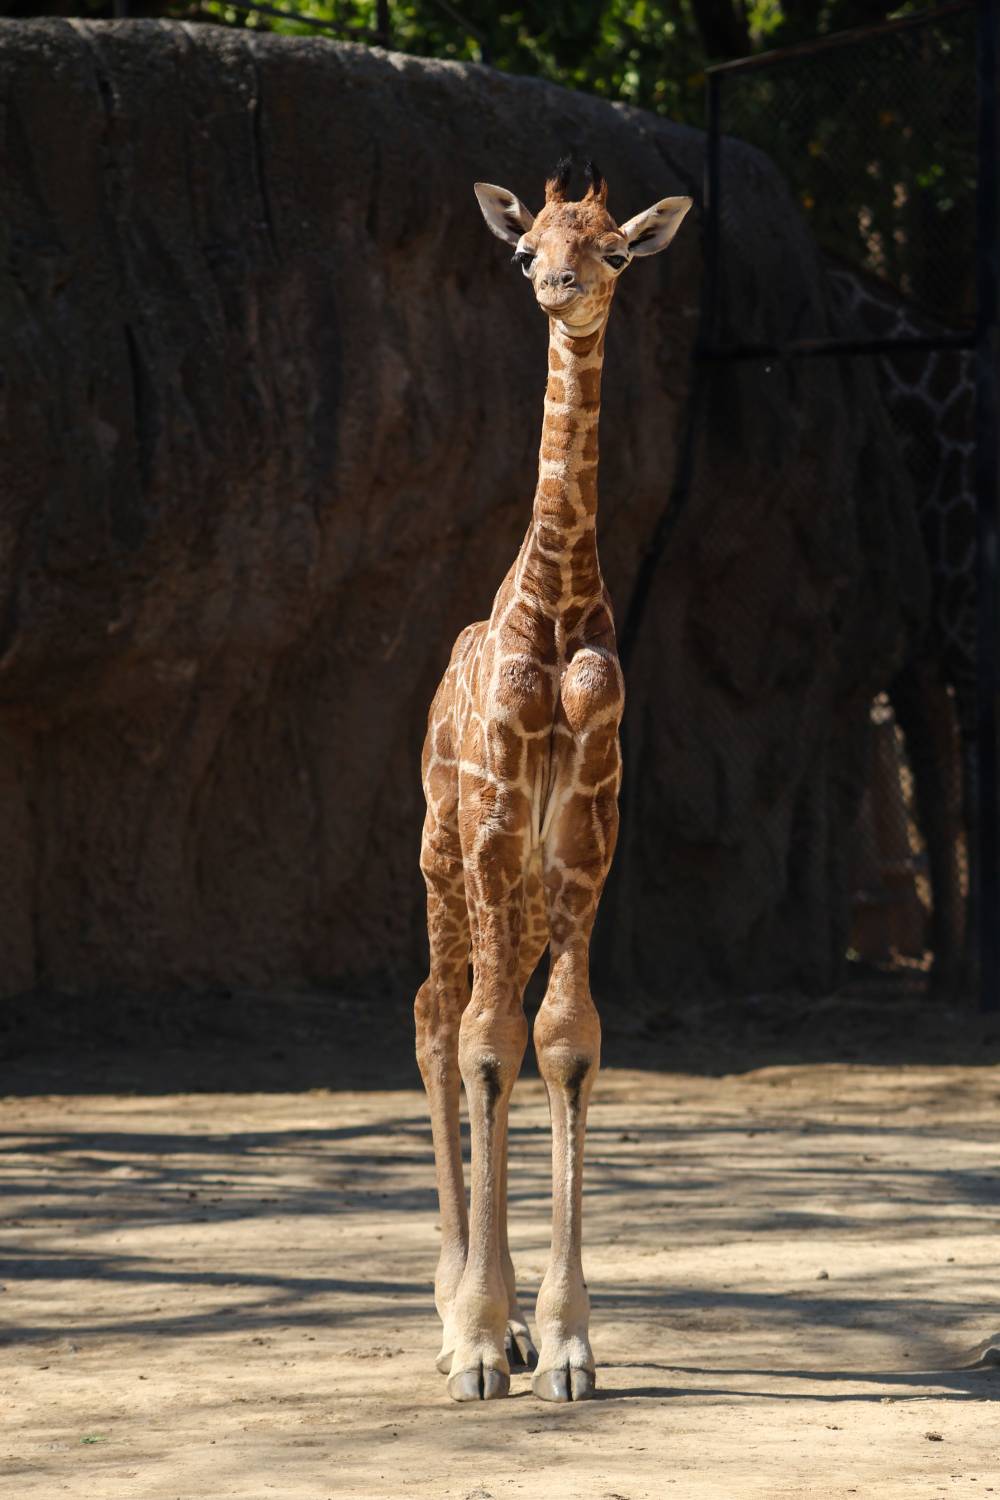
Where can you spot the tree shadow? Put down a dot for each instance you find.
(86, 1181)
(977, 1383)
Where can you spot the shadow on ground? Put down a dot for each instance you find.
(250, 1042)
(980, 1384)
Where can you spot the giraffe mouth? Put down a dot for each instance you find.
(556, 302)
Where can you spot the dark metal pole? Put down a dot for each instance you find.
(383, 29)
(849, 38)
(709, 322)
(987, 499)
(684, 473)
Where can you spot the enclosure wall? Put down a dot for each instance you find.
(273, 398)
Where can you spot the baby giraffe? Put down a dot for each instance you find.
(521, 769)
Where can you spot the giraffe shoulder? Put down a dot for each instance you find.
(592, 690)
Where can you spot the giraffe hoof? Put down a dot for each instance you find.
(444, 1360)
(567, 1384)
(521, 1352)
(483, 1384)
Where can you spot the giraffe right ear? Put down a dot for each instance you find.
(506, 215)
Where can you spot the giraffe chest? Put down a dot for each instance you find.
(539, 728)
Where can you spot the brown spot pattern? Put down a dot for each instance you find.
(521, 771)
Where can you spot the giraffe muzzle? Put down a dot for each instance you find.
(555, 298)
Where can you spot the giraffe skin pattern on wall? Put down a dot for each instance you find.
(930, 396)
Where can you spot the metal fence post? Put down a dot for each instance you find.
(987, 498)
(709, 329)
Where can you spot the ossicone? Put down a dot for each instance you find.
(597, 188)
(557, 185)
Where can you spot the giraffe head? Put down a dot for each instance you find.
(573, 252)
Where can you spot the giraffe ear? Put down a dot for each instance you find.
(653, 230)
(506, 215)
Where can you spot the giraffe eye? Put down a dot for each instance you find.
(615, 261)
(523, 258)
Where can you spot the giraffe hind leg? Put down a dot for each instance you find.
(440, 1004)
(438, 1009)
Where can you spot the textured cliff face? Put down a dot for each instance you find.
(273, 398)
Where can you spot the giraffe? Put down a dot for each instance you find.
(931, 398)
(521, 769)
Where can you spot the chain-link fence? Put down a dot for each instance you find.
(875, 133)
(877, 136)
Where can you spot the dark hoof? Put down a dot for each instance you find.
(567, 1384)
(521, 1352)
(483, 1384)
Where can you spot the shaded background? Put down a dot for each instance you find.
(273, 401)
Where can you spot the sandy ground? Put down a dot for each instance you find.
(228, 1294)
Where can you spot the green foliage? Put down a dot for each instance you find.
(876, 140)
(645, 52)
(651, 53)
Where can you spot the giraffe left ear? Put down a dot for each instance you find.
(506, 215)
(653, 230)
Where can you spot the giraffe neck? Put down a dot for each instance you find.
(558, 566)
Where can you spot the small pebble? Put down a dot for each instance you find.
(823, 1276)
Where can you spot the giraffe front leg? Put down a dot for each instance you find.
(519, 1345)
(492, 1039)
(568, 1044)
(576, 859)
(521, 1352)
(491, 1046)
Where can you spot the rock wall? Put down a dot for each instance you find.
(272, 401)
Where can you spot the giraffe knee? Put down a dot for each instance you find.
(490, 1050)
(426, 1013)
(437, 1015)
(568, 1044)
(570, 1073)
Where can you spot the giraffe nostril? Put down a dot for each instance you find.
(566, 278)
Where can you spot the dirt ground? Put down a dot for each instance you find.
(217, 1271)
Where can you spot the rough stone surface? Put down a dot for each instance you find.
(272, 398)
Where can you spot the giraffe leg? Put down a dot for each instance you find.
(492, 1039)
(568, 1043)
(521, 1351)
(577, 855)
(518, 1343)
(438, 1008)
